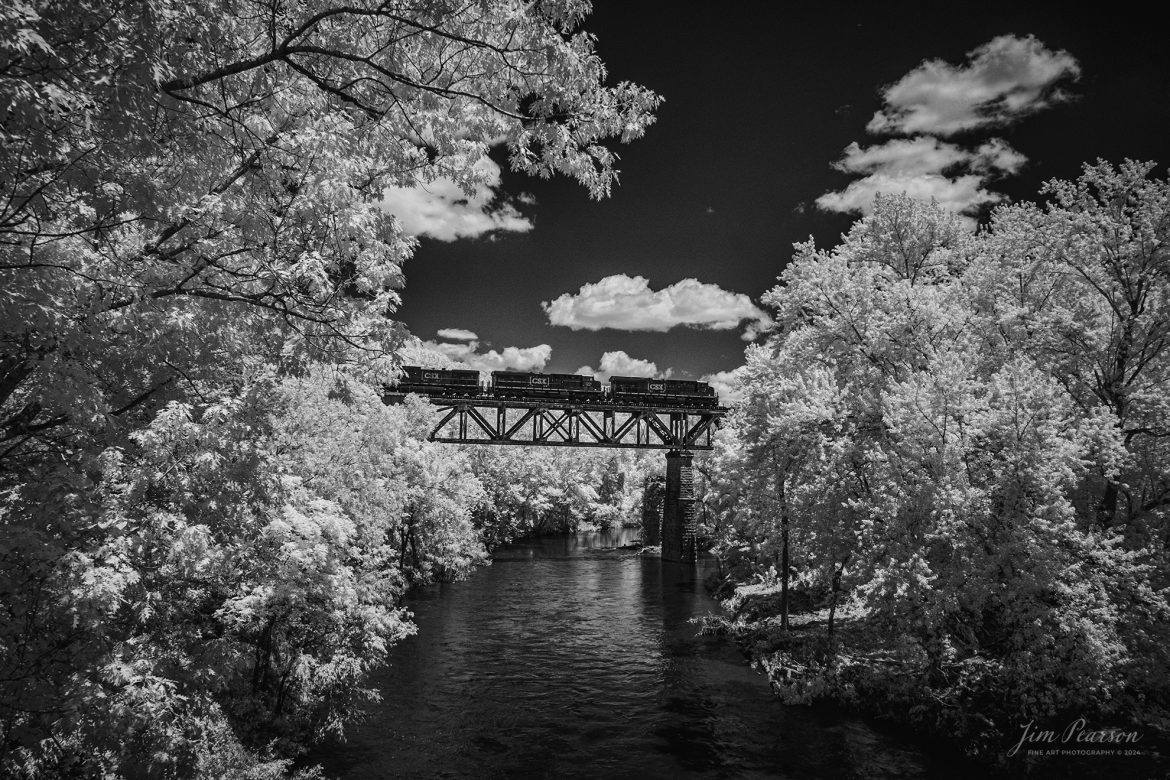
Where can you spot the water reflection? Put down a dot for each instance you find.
(574, 657)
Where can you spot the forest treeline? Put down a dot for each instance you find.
(945, 496)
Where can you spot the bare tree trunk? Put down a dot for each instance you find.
(414, 557)
(835, 591)
(263, 658)
(405, 534)
(282, 693)
(784, 564)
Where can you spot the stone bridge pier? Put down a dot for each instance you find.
(679, 513)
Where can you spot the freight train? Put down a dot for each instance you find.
(629, 390)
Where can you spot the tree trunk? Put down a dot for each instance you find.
(784, 565)
(263, 658)
(1109, 504)
(282, 693)
(404, 535)
(414, 549)
(834, 591)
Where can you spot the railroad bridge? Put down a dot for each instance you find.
(528, 413)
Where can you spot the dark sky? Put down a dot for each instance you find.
(760, 102)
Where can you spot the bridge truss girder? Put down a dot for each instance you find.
(553, 424)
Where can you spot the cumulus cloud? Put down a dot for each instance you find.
(442, 210)
(924, 168)
(1004, 79)
(618, 363)
(924, 156)
(726, 384)
(623, 302)
(457, 334)
(960, 194)
(508, 359)
(902, 157)
(996, 156)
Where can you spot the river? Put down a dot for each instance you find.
(571, 657)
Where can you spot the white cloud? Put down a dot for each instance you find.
(996, 155)
(925, 156)
(442, 210)
(960, 194)
(508, 359)
(918, 167)
(904, 157)
(924, 168)
(456, 334)
(726, 384)
(1005, 78)
(618, 363)
(623, 302)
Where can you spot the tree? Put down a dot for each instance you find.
(1083, 286)
(196, 273)
(198, 599)
(534, 490)
(984, 402)
(779, 433)
(198, 182)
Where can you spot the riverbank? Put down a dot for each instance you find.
(846, 660)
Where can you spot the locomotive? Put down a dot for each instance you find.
(671, 392)
(625, 390)
(518, 384)
(439, 381)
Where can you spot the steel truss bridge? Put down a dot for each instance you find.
(560, 422)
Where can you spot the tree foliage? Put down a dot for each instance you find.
(541, 490)
(201, 181)
(207, 516)
(966, 433)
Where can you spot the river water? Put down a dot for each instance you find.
(571, 657)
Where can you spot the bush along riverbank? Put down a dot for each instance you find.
(841, 657)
